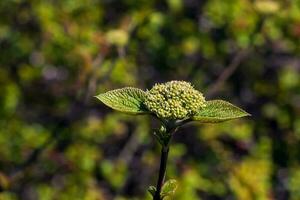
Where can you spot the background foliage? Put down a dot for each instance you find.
(58, 142)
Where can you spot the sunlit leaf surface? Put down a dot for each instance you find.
(128, 100)
(219, 111)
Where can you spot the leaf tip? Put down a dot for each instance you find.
(244, 113)
(99, 97)
(219, 111)
(247, 114)
(127, 100)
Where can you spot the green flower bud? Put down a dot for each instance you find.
(174, 100)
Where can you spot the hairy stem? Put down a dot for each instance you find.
(162, 171)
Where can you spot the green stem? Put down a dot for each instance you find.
(162, 171)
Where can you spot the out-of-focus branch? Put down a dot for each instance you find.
(18, 171)
(129, 149)
(94, 80)
(91, 89)
(64, 122)
(228, 71)
(92, 84)
(33, 157)
(240, 56)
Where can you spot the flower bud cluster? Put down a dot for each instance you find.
(174, 100)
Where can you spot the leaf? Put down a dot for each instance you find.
(218, 111)
(152, 190)
(169, 188)
(129, 100)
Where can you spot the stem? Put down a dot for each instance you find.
(162, 171)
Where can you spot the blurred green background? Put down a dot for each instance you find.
(57, 142)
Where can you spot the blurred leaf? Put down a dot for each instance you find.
(245, 184)
(175, 5)
(4, 181)
(219, 111)
(8, 196)
(267, 6)
(117, 37)
(289, 78)
(129, 100)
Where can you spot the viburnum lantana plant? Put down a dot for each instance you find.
(174, 103)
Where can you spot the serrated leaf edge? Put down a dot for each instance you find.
(206, 119)
(102, 97)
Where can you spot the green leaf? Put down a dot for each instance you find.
(169, 188)
(129, 100)
(152, 190)
(219, 111)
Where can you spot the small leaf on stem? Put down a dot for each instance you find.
(152, 190)
(169, 188)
